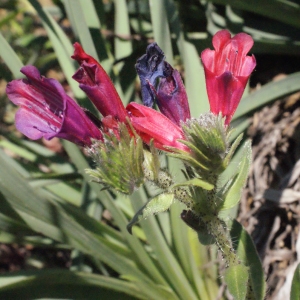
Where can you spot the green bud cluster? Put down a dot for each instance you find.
(208, 140)
(118, 161)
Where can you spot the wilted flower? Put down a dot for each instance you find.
(170, 93)
(150, 67)
(227, 70)
(47, 111)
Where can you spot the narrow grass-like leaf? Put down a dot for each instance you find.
(10, 57)
(165, 257)
(66, 284)
(283, 11)
(123, 45)
(61, 45)
(160, 27)
(116, 213)
(268, 93)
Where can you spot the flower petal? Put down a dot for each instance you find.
(227, 70)
(150, 124)
(172, 98)
(47, 111)
(97, 85)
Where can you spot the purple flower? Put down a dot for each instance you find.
(170, 94)
(171, 97)
(47, 111)
(149, 67)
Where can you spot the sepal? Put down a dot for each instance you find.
(119, 161)
(207, 139)
(151, 163)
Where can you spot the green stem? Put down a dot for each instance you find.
(219, 231)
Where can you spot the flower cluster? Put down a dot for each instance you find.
(47, 111)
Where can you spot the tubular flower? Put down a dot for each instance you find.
(94, 81)
(150, 124)
(170, 94)
(227, 70)
(47, 111)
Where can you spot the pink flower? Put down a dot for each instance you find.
(47, 111)
(227, 70)
(150, 124)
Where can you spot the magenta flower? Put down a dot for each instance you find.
(227, 70)
(47, 111)
(169, 92)
(151, 124)
(94, 81)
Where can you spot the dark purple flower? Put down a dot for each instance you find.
(150, 67)
(170, 94)
(172, 98)
(47, 111)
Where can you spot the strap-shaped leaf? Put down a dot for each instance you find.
(156, 205)
(233, 193)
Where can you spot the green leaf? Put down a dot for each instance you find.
(66, 284)
(10, 57)
(169, 265)
(156, 205)
(196, 182)
(236, 278)
(106, 199)
(233, 147)
(283, 11)
(123, 46)
(61, 44)
(248, 255)
(233, 192)
(269, 92)
(295, 290)
(161, 29)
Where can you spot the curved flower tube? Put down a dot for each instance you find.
(94, 81)
(227, 70)
(47, 111)
(150, 124)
